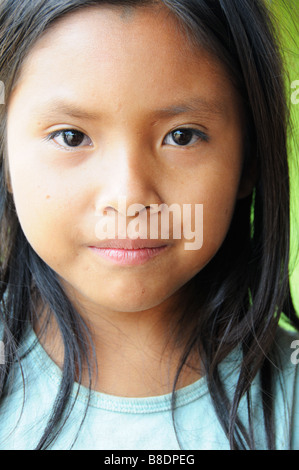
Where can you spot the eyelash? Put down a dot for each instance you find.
(200, 136)
(66, 147)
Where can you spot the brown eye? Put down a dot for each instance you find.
(73, 138)
(185, 137)
(70, 139)
(182, 136)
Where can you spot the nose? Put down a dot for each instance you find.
(129, 178)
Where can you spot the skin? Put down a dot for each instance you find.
(123, 70)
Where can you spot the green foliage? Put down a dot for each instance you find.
(287, 12)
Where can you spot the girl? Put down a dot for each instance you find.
(130, 342)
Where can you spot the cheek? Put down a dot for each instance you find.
(42, 211)
(219, 206)
(217, 192)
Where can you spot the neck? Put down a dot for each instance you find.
(135, 351)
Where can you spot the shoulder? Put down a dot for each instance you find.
(286, 354)
(286, 386)
(286, 347)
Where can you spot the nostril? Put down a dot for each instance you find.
(108, 210)
(155, 208)
(105, 210)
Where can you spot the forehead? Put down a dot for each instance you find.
(121, 52)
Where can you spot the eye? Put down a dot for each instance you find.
(184, 137)
(70, 138)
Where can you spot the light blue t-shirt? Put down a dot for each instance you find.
(116, 423)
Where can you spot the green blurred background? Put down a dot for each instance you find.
(287, 12)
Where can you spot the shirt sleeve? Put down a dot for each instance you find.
(295, 410)
(287, 391)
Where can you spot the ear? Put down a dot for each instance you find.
(248, 179)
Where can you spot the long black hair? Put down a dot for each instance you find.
(237, 299)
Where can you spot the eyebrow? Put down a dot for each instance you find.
(55, 107)
(196, 105)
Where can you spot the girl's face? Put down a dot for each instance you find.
(112, 106)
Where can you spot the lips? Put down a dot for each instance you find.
(129, 244)
(128, 251)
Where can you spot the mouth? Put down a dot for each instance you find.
(128, 251)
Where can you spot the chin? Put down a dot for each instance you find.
(130, 305)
